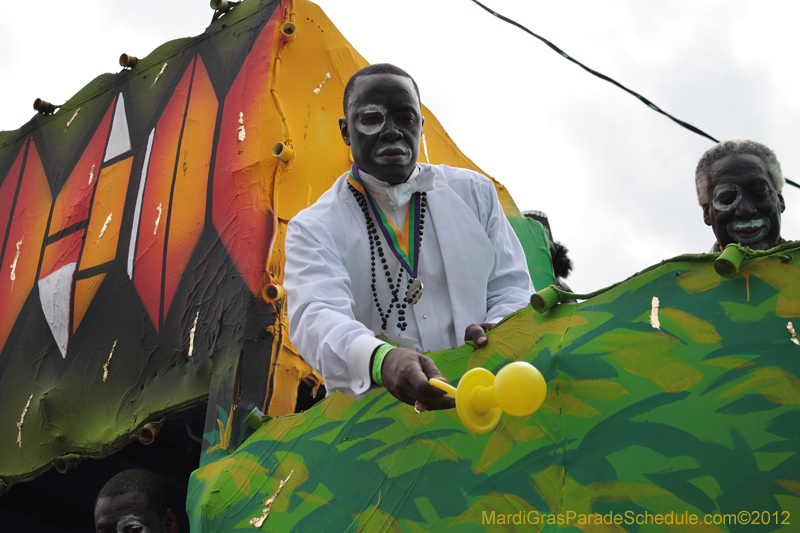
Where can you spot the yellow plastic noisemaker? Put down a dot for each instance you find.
(519, 390)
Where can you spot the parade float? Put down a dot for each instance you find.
(142, 256)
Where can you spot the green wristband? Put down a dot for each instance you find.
(377, 363)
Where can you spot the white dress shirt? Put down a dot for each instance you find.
(471, 264)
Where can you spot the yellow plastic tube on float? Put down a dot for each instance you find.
(481, 398)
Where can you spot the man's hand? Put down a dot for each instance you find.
(477, 333)
(405, 375)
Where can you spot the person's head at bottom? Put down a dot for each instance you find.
(134, 501)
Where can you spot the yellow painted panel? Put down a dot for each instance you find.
(102, 235)
(85, 289)
(187, 215)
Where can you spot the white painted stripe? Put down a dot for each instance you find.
(137, 212)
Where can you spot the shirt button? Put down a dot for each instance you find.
(424, 316)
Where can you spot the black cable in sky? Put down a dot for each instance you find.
(602, 76)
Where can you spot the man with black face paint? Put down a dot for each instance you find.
(416, 252)
(739, 184)
(134, 501)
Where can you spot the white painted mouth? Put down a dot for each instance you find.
(394, 154)
(760, 225)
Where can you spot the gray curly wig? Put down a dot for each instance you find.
(730, 147)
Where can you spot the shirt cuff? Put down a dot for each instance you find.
(495, 320)
(358, 357)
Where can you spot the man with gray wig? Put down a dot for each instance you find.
(739, 184)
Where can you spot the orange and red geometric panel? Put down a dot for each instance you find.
(25, 201)
(170, 209)
(84, 226)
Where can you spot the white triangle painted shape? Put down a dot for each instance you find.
(55, 291)
(120, 140)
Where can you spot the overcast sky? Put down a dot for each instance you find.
(615, 178)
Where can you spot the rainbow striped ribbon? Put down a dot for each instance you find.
(397, 241)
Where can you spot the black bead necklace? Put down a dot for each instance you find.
(374, 241)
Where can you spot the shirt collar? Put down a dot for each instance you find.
(374, 185)
(420, 180)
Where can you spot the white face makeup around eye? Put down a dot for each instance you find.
(371, 119)
(132, 524)
(726, 196)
